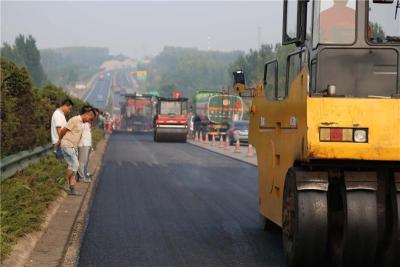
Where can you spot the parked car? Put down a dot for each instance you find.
(239, 130)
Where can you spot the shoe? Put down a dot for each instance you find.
(89, 174)
(73, 192)
(87, 180)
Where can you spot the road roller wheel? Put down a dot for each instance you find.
(354, 234)
(392, 255)
(155, 136)
(304, 224)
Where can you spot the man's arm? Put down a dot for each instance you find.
(59, 128)
(61, 134)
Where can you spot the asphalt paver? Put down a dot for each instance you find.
(174, 204)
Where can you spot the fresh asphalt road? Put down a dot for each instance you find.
(173, 204)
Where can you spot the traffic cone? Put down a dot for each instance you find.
(227, 143)
(249, 151)
(213, 140)
(206, 141)
(201, 137)
(221, 142)
(237, 148)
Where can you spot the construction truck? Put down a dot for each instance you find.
(214, 111)
(170, 123)
(137, 112)
(328, 138)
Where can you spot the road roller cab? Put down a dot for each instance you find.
(326, 126)
(170, 123)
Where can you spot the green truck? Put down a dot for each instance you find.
(214, 111)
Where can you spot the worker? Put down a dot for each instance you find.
(337, 23)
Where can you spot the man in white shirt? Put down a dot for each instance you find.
(58, 122)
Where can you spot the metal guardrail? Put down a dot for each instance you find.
(10, 165)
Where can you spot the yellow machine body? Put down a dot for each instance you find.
(287, 131)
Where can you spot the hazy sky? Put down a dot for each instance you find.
(143, 28)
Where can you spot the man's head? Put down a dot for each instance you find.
(88, 113)
(66, 105)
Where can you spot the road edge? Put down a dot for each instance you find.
(193, 143)
(73, 244)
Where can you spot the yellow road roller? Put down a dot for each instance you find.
(326, 126)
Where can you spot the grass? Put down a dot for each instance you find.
(97, 135)
(25, 198)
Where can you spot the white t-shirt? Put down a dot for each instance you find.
(86, 138)
(57, 120)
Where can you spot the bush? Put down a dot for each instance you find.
(25, 113)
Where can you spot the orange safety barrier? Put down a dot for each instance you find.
(237, 148)
(227, 143)
(250, 151)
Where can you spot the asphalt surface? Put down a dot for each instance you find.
(99, 93)
(173, 204)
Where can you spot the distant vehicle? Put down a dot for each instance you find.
(239, 130)
(214, 111)
(137, 112)
(170, 123)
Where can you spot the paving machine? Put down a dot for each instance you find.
(170, 123)
(137, 112)
(328, 138)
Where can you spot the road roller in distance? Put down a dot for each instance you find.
(170, 123)
(328, 136)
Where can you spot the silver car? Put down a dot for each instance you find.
(239, 130)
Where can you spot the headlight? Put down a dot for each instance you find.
(360, 136)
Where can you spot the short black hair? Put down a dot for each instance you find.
(67, 102)
(86, 109)
(96, 111)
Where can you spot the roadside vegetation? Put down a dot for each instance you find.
(25, 198)
(25, 117)
(97, 136)
(26, 111)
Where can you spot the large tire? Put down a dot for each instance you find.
(304, 224)
(356, 244)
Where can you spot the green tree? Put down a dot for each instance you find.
(377, 31)
(25, 53)
(17, 108)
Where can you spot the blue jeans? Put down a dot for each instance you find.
(71, 156)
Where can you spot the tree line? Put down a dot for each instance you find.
(71, 64)
(189, 69)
